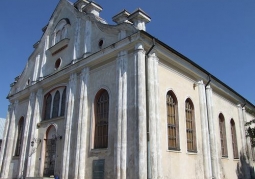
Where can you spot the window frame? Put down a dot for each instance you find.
(190, 129)
(172, 111)
(223, 136)
(19, 142)
(234, 139)
(97, 144)
(61, 31)
(60, 105)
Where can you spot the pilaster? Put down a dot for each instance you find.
(153, 116)
(82, 126)
(215, 161)
(36, 69)
(10, 145)
(68, 126)
(34, 134)
(5, 135)
(87, 45)
(121, 143)
(157, 117)
(140, 103)
(44, 58)
(29, 117)
(76, 49)
(242, 129)
(205, 131)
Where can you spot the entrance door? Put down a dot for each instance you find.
(50, 153)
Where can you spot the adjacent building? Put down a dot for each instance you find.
(2, 125)
(112, 101)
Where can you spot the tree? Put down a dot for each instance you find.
(250, 132)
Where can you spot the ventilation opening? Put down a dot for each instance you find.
(100, 43)
(57, 63)
(28, 82)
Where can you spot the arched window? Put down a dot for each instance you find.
(20, 136)
(56, 104)
(61, 30)
(101, 119)
(63, 103)
(223, 138)
(190, 126)
(57, 107)
(48, 107)
(172, 121)
(234, 140)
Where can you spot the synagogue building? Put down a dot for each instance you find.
(101, 101)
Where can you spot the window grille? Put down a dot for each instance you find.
(101, 120)
(172, 121)
(234, 140)
(190, 126)
(20, 136)
(223, 139)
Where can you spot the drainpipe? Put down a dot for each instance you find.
(244, 104)
(208, 81)
(147, 111)
(214, 169)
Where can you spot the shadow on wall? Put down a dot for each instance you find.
(244, 170)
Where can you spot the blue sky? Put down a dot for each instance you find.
(217, 35)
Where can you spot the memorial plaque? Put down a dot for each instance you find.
(98, 169)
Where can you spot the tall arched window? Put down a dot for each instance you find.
(56, 104)
(101, 119)
(63, 103)
(47, 107)
(223, 138)
(172, 121)
(234, 140)
(55, 108)
(20, 136)
(190, 126)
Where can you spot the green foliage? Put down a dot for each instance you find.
(250, 132)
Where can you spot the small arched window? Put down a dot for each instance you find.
(101, 119)
(223, 138)
(57, 107)
(172, 121)
(20, 137)
(234, 139)
(190, 126)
